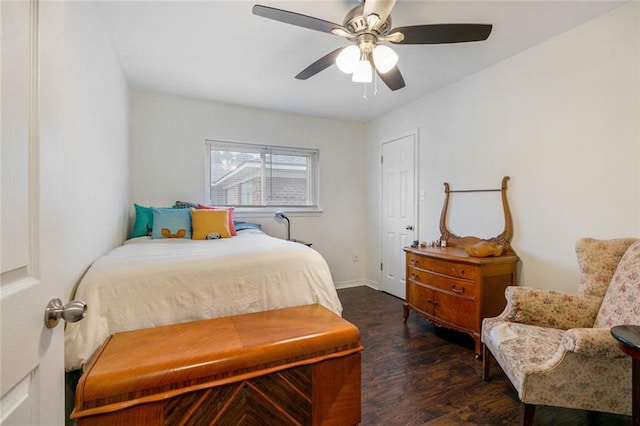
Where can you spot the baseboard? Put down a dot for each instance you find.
(350, 284)
(357, 283)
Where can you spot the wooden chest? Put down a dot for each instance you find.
(452, 289)
(292, 366)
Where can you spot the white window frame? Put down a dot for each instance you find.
(313, 181)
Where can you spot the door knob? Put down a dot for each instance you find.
(409, 227)
(71, 312)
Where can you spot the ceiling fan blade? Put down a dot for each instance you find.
(320, 65)
(382, 8)
(392, 78)
(441, 33)
(297, 19)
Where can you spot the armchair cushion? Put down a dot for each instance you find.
(620, 304)
(522, 349)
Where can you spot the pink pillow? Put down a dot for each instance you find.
(232, 229)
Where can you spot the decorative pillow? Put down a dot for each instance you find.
(144, 222)
(231, 210)
(171, 223)
(246, 225)
(185, 205)
(210, 224)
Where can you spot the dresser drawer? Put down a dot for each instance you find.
(460, 288)
(420, 297)
(456, 311)
(443, 267)
(443, 307)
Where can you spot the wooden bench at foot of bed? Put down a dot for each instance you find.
(292, 366)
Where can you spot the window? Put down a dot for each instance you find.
(260, 176)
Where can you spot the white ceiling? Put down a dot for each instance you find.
(219, 50)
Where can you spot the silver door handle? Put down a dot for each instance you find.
(409, 227)
(71, 312)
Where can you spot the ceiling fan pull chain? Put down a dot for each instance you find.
(364, 96)
(375, 82)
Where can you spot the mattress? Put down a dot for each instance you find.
(151, 282)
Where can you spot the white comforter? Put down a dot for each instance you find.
(147, 282)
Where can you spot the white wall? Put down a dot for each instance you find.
(96, 169)
(560, 119)
(167, 164)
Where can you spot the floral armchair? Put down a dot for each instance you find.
(556, 347)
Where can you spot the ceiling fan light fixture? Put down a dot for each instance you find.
(365, 26)
(385, 58)
(363, 72)
(348, 59)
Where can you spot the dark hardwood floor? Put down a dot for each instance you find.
(418, 374)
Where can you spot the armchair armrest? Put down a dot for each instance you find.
(592, 341)
(550, 308)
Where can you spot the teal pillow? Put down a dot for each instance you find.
(144, 222)
(171, 223)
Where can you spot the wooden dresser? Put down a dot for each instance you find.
(452, 289)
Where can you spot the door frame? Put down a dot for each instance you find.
(416, 179)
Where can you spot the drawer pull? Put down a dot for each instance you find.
(432, 302)
(455, 290)
(414, 276)
(455, 271)
(413, 261)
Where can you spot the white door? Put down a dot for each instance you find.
(398, 210)
(31, 358)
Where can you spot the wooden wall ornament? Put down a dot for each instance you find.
(480, 247)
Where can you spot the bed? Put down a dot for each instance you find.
(150, 282)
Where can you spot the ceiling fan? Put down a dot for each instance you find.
(366, 25)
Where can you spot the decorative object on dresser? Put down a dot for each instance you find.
(483, 249)
(452, 288)
(503, 239)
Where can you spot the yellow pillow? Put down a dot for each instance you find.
(210, 224)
